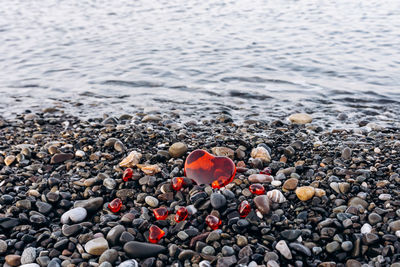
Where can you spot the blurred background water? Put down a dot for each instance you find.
(251, 59)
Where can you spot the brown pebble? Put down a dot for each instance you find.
(13, 260)
(290, 184)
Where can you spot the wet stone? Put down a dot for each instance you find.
(96, 246)
(217, 200)
(136, 249)
(110, 255)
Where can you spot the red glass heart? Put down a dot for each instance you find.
(213, 221)
(257, 189)
(161, 213)
(115, 205)
(181, 214)
(177, 183)
(204, 168)
(266, 171)
(244, 208)
(128, 173)
(155, 234)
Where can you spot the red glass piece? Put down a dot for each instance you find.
(181, 214)
(244, 208)
(213, 221)
(115, 205)
(128, 173)
(177, 183)
(155, 234)
(266, 171)
(257, 189)
(204, 168)
(161, 213)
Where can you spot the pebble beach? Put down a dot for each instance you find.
(331, 194)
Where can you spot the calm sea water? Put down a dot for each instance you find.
(249, 58)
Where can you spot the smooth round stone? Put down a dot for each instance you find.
(105, 264)
(96, 246)
(177, 150)
(300, 118)
(366, 228)
(128, 263)
(137, 249)
(260, 178)
(385, 197)
(13, 260)
(3, 246)
(305, 193)
(335, 187)
(43, 207)
(262, 203)
(291, 235)
(208, 250)
(291, 184)
(79, 154)
(241, 240)
(347, 246)
(217, 200)
(353, 263)
(276, 183)
(356, 201)
(182, 235)
(23, 204)
(30, 265)
(346, 153)
(282, 247)
(374, 218)
(204, 264)
(394, 226)
(43, 261)
(109, 183)
(71, 230)
(74, 215)
(151, 201)
(28, 255)
(91, 204)
(316, 250)
(227, 251)
(114, 234)
(300, 248)
(261, 153)
(110, 255)
(332, 246)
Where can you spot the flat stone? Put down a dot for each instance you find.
(96, 246)
(226, 261)
(394, 226)
(43, 207)
(135, 249)
(223, 152)
(71, 230)
(356, 201)
(291, 235)
(3, 246)
(74, 215)
(290, 184)
(8, 223)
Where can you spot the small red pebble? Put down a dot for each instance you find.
(161, 213)
(181, 214)
(244, 208)
(155, 234)
(266, 171)
(257, 189)
(213, 221)
(177, 183)
(115, 205)
(128, 173)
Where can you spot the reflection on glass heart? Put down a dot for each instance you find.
(204, 168)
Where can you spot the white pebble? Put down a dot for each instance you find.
(385, 197)
(276, 183)
(79, 154)
(366, 228)
(75, 215)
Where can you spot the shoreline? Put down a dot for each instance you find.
(354, 220)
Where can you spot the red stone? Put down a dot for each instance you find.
(177, 183)
(257, 189)
(128, 173)
(244, 208)
(266, 171)
(155, 234)
(181, 214)
(204, 168)
(115, 205)
(213, 221)
(161, 213)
